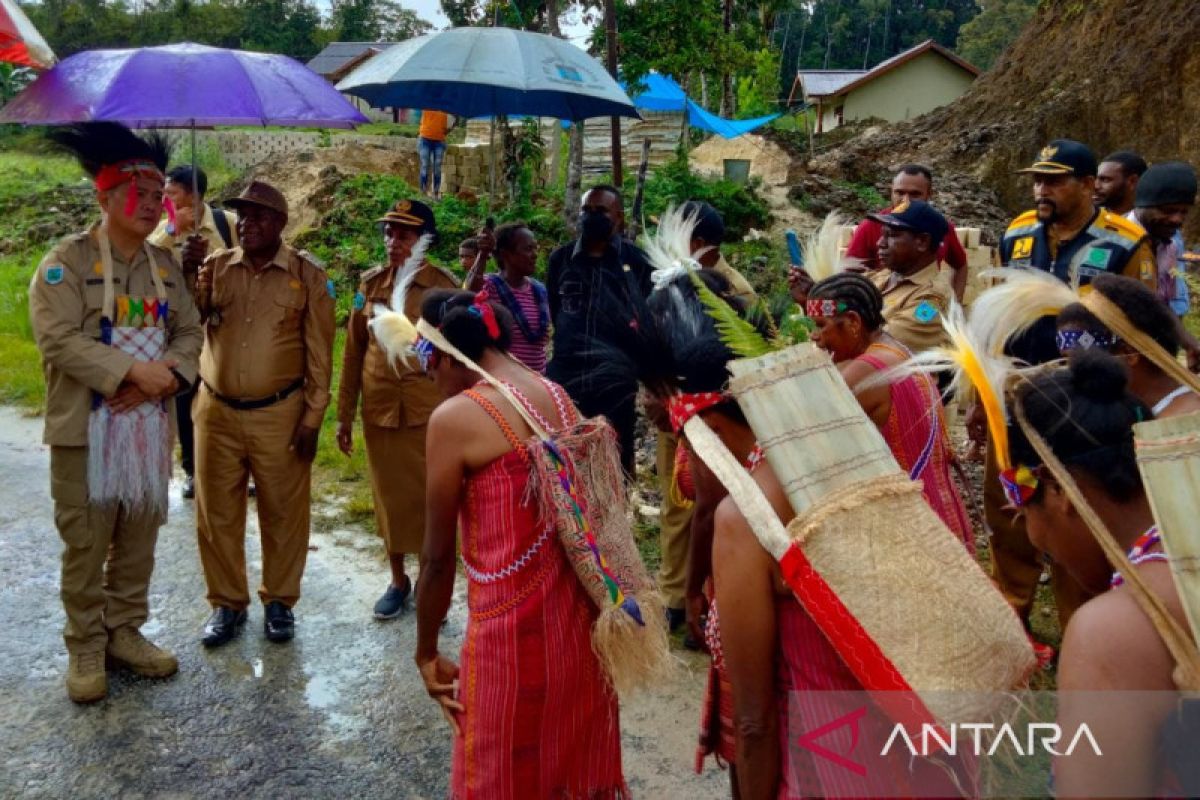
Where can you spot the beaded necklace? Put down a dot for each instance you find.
(1138, 554)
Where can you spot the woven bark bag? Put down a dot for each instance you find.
(576, 479)
(893, 590)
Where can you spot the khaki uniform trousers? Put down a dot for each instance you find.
(232, 446)
(1016, 563)
(107, 558)
(674, 527)
(396, 458)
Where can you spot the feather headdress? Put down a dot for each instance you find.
(670, 249)
(97, 145)
(975, 372)
(1005, 311)
(393, 330)
(821, 248)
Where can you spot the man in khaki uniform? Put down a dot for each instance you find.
(83, 291)
(396, 400)
(186, 188)
(915, 293)
(266, 365)
(675, 517)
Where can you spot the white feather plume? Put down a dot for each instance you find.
(1009, 309)
(393, 330)
(821, 248)
(670, 249)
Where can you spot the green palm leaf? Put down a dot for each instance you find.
(737, 334)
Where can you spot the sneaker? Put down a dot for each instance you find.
(391, 604)
(128, 648)
(189, 488)
(86, 681)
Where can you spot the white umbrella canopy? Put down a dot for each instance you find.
(475, 72)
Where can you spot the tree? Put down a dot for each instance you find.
(983, 39)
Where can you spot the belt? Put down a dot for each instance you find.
(262, 402)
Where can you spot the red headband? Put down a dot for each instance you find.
(128, 171)
(824, 307)
(683, 407)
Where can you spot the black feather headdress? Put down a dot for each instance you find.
(97, 145)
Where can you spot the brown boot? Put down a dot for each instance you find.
(128, 648)
(86, 681)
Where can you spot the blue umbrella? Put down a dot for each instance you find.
(474, 72)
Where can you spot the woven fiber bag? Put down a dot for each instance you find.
(894, 591)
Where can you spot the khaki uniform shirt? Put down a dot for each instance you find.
(913, 306)
(265, 330)
(393, 395)
(208, 229)
(742, 289)
(66, 298)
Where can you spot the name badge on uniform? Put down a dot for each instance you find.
(925, 312)
(54, 275)
(360, 302)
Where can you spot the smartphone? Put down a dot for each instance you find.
(793, 244)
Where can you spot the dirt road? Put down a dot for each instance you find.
(339, 712)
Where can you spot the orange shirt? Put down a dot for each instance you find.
(434, 125)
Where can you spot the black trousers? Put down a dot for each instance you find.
(187, 439)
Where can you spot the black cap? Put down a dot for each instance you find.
(411, 214)
(917, 216)
(709, 225)
(1064, 157)
(1165, 184)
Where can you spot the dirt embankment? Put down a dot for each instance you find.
(1112, 73)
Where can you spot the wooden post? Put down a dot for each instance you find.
(610, 40)
(633, 223)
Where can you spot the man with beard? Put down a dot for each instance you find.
(1116, 181)
(266, 366)
(1074, 240)
(597, 287)
(1165, 196)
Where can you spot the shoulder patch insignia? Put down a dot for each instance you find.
(329, 287)
(1023, 247)
(294, 284)
(360, 302)
(925, 312)
(54, 275)
(1098, 257)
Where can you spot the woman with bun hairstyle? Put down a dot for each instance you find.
(1086, 413)
(533, 713)
(1079, 329)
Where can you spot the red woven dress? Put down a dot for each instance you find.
(540, 716)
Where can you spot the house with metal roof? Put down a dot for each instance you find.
(339, 59)
(904, 86)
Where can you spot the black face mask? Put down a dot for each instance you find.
(595, 227)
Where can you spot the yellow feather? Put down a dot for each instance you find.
(1009, 309)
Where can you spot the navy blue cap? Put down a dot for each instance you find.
(1064, 157)
(1168, 183)
(917, 216)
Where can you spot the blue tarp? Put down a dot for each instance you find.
(662, 93)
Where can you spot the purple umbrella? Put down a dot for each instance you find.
(182, 86)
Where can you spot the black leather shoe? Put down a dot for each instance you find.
(278, 624)
(223, 624)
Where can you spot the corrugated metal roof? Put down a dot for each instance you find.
(337, 54)
(824, 82)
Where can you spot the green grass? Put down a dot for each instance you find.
(21, 173)
(21, 380)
